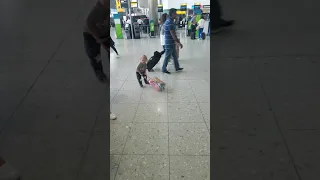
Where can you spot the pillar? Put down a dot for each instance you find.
(153, 10)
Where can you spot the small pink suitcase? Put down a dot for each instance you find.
(157, 83)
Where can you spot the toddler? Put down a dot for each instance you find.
(142, 70)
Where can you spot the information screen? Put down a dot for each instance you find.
(160, 8)
(196, 7)
(124, 3)
(183, 7)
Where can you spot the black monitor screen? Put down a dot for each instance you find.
(196, 7)
(183, 7)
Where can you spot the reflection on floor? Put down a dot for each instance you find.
(160, 133)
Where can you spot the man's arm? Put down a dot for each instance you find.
(174, 36)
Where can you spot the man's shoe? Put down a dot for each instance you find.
(167, 72)
(179, 69)
(102, 77)
(226, 23)
(223, 24)
(113, 116)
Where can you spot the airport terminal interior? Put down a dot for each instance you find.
(264, 91)
(160, 131)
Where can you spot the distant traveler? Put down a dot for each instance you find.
(128, 22)
(139, 21)
(200, 26)
(146, 21)
(96, 34)
(170, 42)
(193, 19)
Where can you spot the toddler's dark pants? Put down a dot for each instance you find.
(139, 77)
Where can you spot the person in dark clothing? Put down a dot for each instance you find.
(96, 35)
(112, 45)
(216, 20)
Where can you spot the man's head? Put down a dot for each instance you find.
(173, 13)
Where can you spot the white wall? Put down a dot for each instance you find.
(167, 4)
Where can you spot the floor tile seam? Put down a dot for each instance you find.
(168, 132)
(64, 38)
(117, 103)
(172, 155)
(129, 132)
(152, 102)
(120, 88)
(203, 118)
(91, 135)
(164, 122)
(43, 69)
(189, 101)
(270, 56)
(111, 101)
(125, 103)
(275, 118)
(291, 129)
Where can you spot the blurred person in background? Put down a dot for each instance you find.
(217, 23)
(161, 23)
(200, 27)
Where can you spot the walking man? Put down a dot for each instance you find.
(171, 39)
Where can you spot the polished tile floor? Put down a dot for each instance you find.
(265, 108)
(160, 135)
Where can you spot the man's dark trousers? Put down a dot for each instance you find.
(215, 14)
